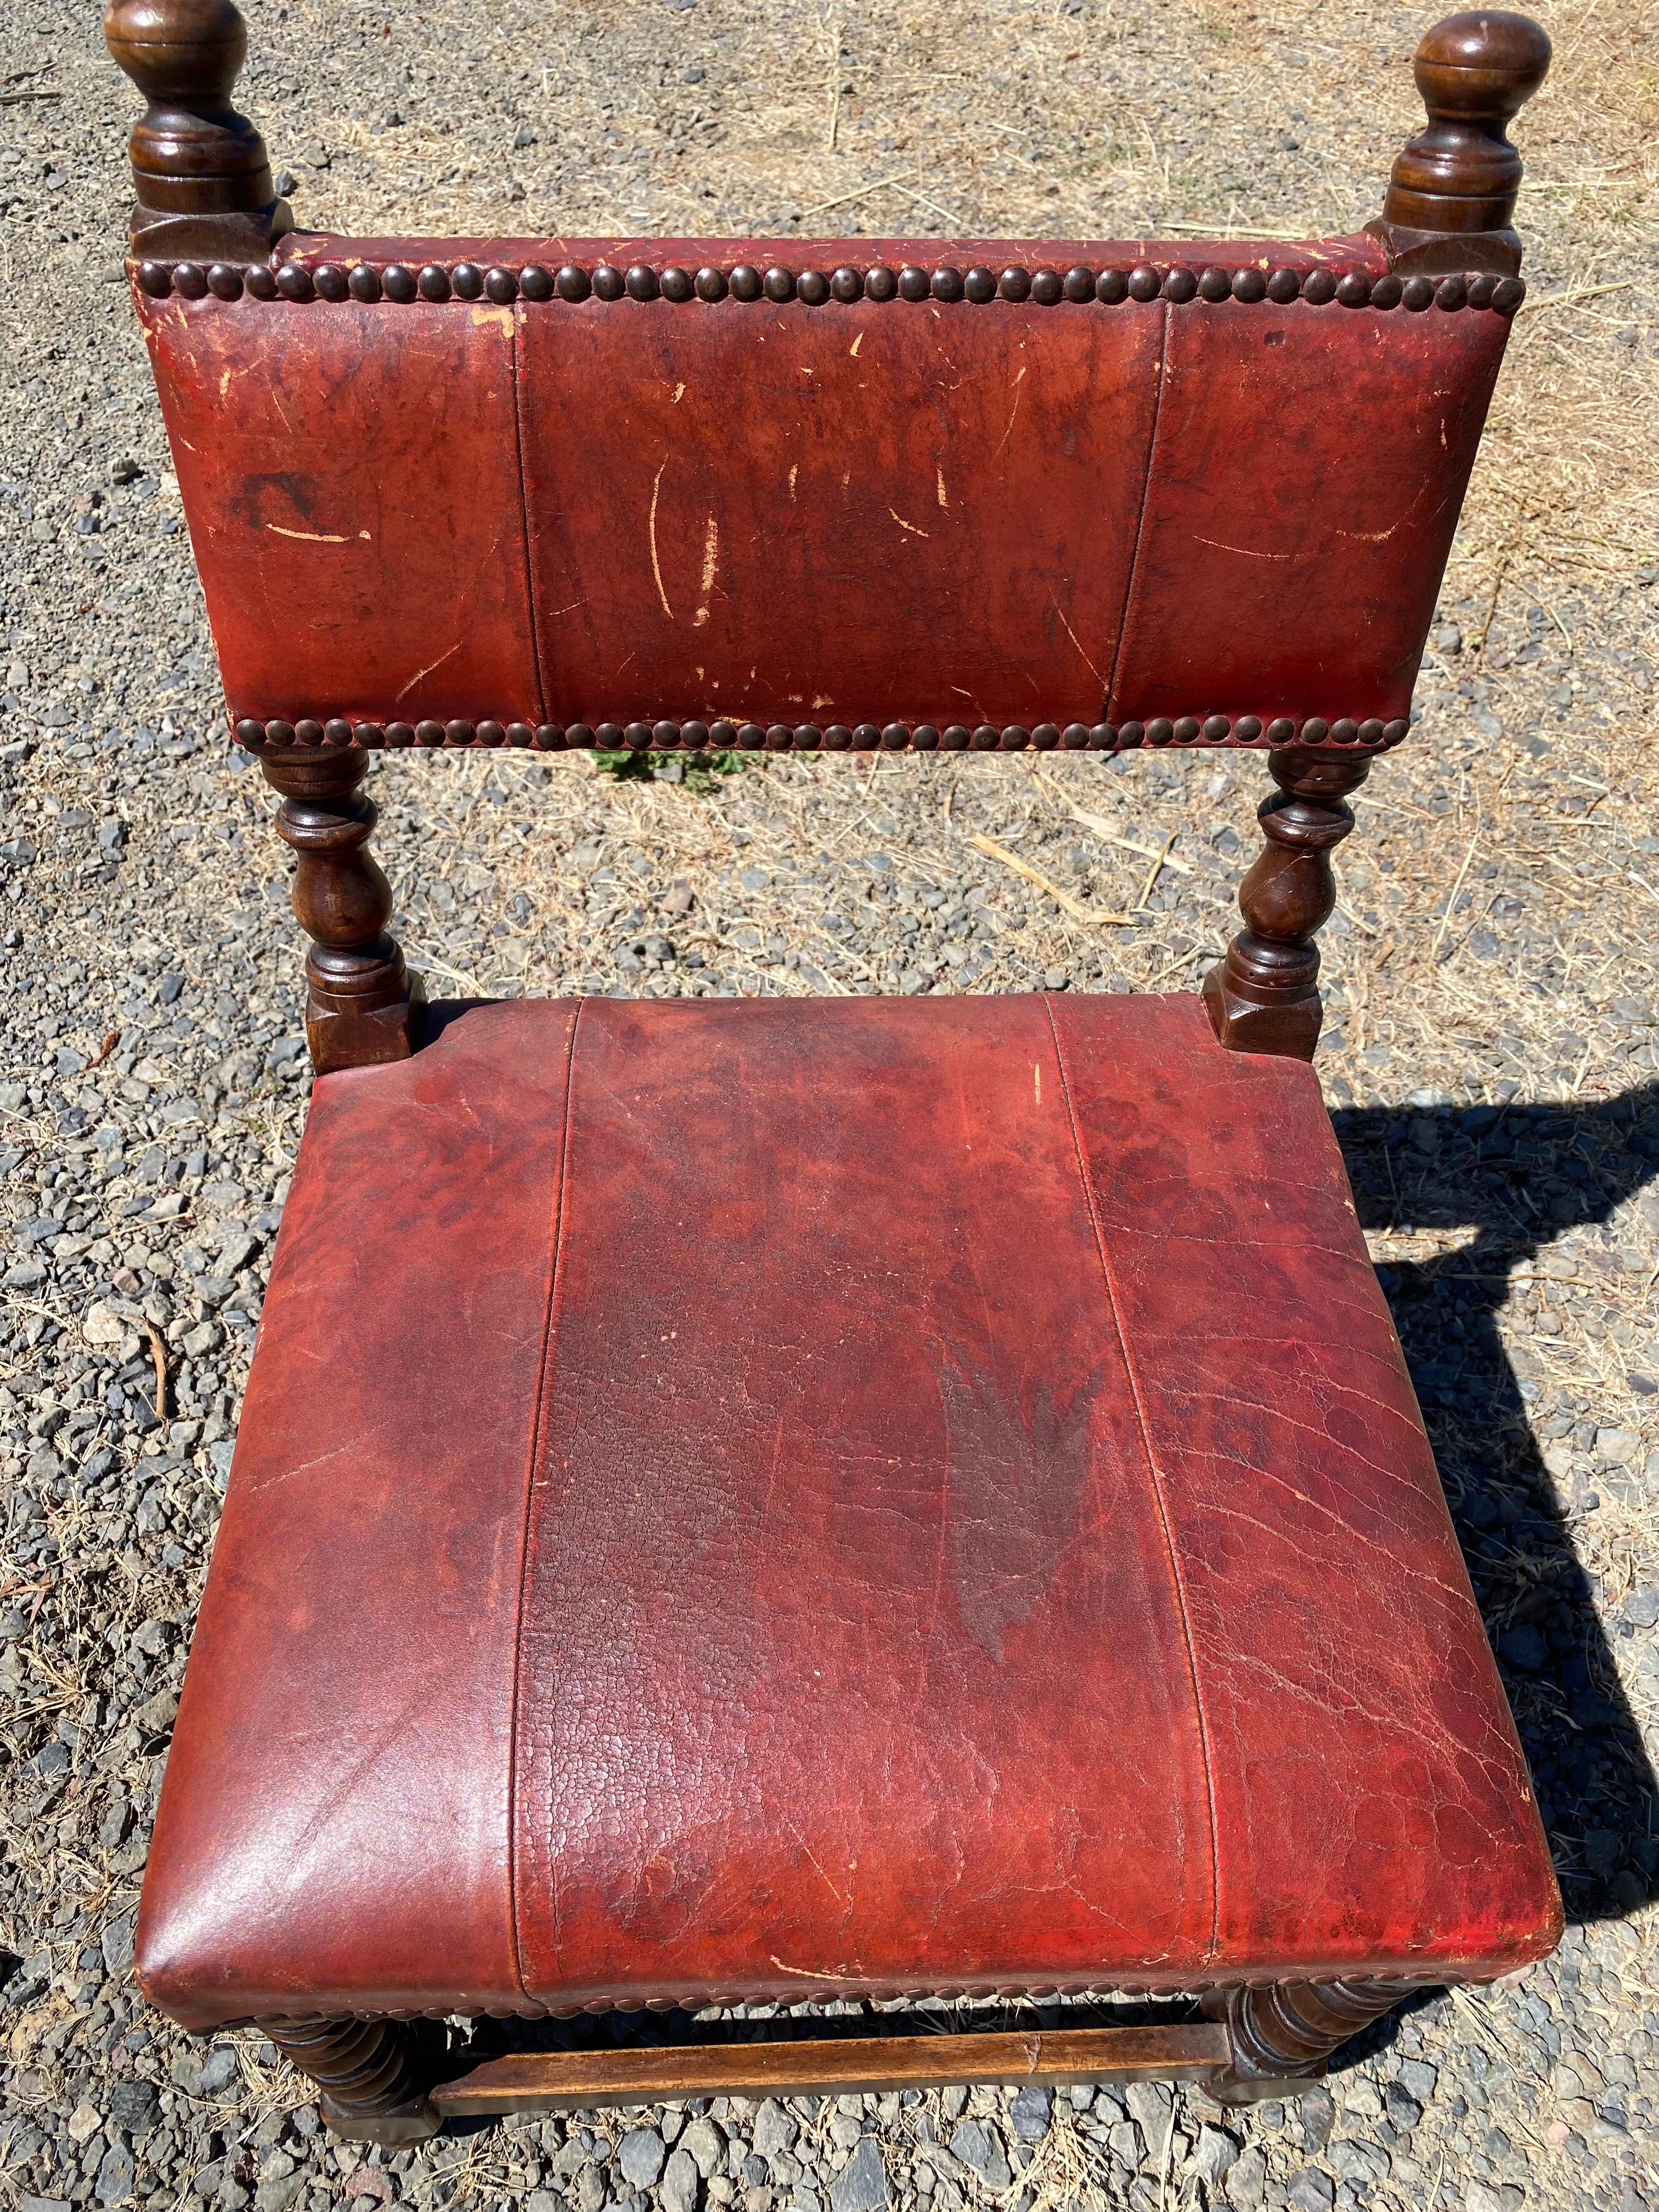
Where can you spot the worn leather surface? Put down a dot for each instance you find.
(1310, 468)
(352, 489)
(337, 1789)
(790, 1498)
(927, 513)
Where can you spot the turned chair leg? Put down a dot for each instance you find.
(1264, 996)
(1282, 2033)
(373, 2074)
(362, 1002)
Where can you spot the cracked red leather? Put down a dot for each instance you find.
(758, 1500)
(924, 512)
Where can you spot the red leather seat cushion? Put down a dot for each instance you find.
(788, 1498)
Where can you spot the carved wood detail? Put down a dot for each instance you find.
(1264, 996)
(373, 2074)
(202, 175)
(1451, 193)
(1281, 2034)
(362, 1004)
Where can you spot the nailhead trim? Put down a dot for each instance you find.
(1245, 731)
(812, 287)
(1128, 1988)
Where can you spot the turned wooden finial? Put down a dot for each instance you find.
(1451, 193)
(203, 178)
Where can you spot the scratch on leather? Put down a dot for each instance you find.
(840, 1896)
(656, 565)
(346, 1450)
(420, 673)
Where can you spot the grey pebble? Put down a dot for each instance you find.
(116, 1943)
(1030, 2112)
(680, 2181)
(1352, 2161)
(641, 2155)
(1151, 2105)
(1403, 2110)
(861, 2185)
(1124, 2142)
(134, 2106)
(1247, 2180)
(705, 2140)
(776, 2129)
(590, 2193)
(117, 2171)
(1316, 2111)
(1215, 2153)
(978, 2147)
(1310, 2190)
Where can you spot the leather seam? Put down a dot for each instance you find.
(537, 1419)
(1140, 520)
(1155, 1479)
(517, 370)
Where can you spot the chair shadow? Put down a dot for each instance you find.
(1517, 1184)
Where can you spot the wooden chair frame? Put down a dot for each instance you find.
(206, 216)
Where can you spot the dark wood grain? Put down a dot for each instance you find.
(1264, 996)
(362, 1002)
(201, 172)
(1451, 193)
(554, 2082)
(373, 2074)
(1283, 2032)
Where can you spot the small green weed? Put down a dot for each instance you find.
(697, 770)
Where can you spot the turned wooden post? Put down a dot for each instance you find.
(1283, 2032)
(362, 1002)
(1264, 996)
(373, 2074)
(202, 175)
(1452, 191)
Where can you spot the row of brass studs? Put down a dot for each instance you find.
(837, 737)
(1047, 287)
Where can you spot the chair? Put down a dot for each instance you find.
(740, 1501)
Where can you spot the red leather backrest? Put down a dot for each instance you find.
(1232, 514)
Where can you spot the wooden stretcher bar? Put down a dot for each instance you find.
(553, 2082)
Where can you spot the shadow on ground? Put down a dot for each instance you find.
(1518, 1180)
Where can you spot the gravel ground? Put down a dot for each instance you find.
(1492, 1056)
